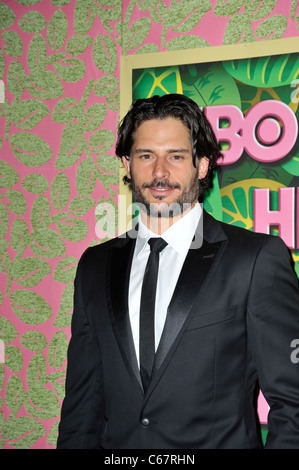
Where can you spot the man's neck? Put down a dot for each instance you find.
(159, 225)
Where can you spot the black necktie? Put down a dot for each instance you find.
(147, 311)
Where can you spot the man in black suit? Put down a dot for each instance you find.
(178, 367)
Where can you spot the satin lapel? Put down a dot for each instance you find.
(117, 293)
(199, 266)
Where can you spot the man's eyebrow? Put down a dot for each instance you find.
(179, 150)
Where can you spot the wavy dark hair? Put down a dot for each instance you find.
(203, 140)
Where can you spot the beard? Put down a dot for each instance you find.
(189, 194)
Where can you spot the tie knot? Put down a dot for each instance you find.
(157, 244)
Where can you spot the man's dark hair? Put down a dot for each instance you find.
(203, 141)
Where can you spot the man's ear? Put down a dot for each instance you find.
(126, 163)
(203, 167)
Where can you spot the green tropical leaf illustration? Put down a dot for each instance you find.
(201, 83)
(270, 71)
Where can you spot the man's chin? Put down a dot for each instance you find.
(164, 209)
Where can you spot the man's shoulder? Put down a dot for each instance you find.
(105, 246)
(237, 234)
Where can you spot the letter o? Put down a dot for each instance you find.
(266, 109)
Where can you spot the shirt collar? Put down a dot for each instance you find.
(179, 236)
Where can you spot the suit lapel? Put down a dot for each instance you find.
(118, 277)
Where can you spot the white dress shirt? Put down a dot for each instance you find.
(179, 237)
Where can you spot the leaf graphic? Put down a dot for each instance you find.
(44, 84)
(3, 220)
(201, 83)
(16, 78)
(106, 86)
(29, 271)
(40, 212)
(36, 371)
(8, 175)
(72, 228)
(101, 141)
(42, 403)
(64, 316)
(13, 46)
(58, 350)
(30, 149)
(32, 22)
(66, 110)
(22, 432)
(186, 14)
(274, 26)
(77, 45)
(80, 206)
(227, 7)
(17, 201)
(258, 9)
(70, 70)
(47, 243)
(65, 270)
(37, 52)
(60, 191)
(137, 33)
(71, 147)
(30, 307)
(35, 183)
(7, 330)
(7, 16)
(14, 393)
(239, 29)
(57, 30)
(105, 54)
(270, 71)
(84, 16)
(34, 341)
(27, 114)
(19, 235)
(94, 117)
(13, 358)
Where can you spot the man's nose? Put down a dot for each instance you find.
(161, 169)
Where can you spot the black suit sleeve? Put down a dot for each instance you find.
(273, 322)
(82, 415)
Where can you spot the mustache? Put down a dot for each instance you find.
(156, 183)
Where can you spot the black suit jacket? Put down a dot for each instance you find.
(230, 323)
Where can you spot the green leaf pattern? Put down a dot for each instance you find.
(59, 60)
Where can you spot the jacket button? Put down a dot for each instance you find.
(145, 422)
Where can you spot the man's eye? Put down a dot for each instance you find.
(145, 157)
(177, 157)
